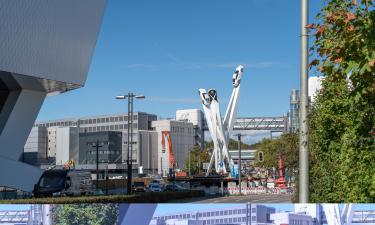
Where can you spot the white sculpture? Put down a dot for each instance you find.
(220, 130)
(334, 217)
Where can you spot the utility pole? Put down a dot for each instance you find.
(303, 146)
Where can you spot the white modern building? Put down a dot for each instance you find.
(314, 210)
(182, 139)
(291, 219)
(46, 49)
(183, 222)
(315, 85)
(250, 214)
(196, 117)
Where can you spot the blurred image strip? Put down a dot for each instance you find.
(247, 214)
(68, 214)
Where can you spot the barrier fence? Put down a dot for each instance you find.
(255, 190)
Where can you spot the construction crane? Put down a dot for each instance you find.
(219, 129)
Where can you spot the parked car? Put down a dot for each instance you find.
(64, 183)
(174, 187)
(139, 187)
(155, 188)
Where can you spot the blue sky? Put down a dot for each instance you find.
(169, 49)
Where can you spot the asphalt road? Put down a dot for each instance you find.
(259, 198)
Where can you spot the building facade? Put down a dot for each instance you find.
(253, 214)
(291, 219)
(35, 150)
(67, 139)
(181, 138)
(294, 111)
(196, 117)
(109, 151)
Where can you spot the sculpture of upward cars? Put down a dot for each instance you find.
(219, 129)
(46, 49)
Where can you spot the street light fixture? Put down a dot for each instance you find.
(130, 96)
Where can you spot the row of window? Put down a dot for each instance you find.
(107, 152)
(117, 127)
(225, 220)
(209, 214)
(182, 130)
(107, 120)
(57, 124)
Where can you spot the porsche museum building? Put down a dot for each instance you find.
(46, 48)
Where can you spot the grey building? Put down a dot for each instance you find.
(148, 156)
(35, 150)
(108, 152)
(294, 111)
(93, 124)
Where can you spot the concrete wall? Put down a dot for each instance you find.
(67, 139)
(148, 154)
(182, 136)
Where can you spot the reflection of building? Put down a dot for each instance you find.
(182, 140)
(291, 218)
(313, 210)
(249, 214)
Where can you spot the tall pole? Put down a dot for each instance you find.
(239, 162)
(303, 146)
(189, 165)
(129, 184)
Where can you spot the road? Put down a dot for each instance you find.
(259, 198)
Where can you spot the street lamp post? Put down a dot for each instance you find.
(303, 145)
(239, 161)
(130, 96)
(96, 145)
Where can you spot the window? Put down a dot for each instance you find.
(107, 120)
(254, 218)
(112, 119)
(116, 119)
(254, 210)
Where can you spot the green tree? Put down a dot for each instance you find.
(286, 145)
(77, 214)
(342, 118)
(198, 156)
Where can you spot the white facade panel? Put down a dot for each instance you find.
(67, 139)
